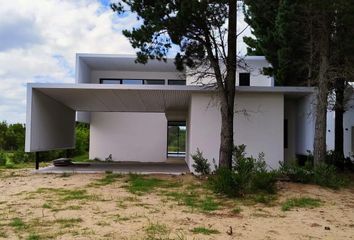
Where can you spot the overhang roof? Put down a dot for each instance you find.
(140, 98)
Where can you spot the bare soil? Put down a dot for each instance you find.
(36, 206)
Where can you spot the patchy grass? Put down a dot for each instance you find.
(17, 223)
(139, 185)
(67, 194)
(108, 179)
(204, 230)
(236, 210)
(194, 201)
(264, 198)
(156, 231)
(303, 202)
(33, 237)
(68, 222)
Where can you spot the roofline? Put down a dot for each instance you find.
(196, 88)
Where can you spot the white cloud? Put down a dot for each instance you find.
(39, 39)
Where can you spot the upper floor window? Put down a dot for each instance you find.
(176, 82)
(244, 79)
(132, 81)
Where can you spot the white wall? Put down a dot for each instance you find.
(305, 124)
(128, 136)
(261, 130)
(49, 125)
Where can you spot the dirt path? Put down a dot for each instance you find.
(82, 207)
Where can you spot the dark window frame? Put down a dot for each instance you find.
(184, 82)
(163, 82)
(175, 124)
(244, 79)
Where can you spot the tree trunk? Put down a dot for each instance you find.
(228, 94)
(338, 122)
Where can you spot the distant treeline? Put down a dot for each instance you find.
(12, 142)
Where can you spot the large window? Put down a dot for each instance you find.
(244, 79)
(176, 139)
(132, 81)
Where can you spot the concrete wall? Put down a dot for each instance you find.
(261, 128)
(49, 125)
(305, 124)
(128, 136)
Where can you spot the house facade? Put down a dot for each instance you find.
(152, 112)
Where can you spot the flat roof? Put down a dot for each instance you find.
(140, 98)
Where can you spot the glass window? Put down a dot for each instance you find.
(154, 82)
(176, 82)
(176, 139)
(244, 79)
(132, 81)
(110, 81)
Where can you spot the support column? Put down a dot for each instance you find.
(37, 160)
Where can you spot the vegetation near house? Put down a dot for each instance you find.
(303, 202)
(201, 165)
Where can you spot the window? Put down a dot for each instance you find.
(154, 82)
(176, 139)
(110, 81)
(244, 79)
(132, 81)
(176, 82)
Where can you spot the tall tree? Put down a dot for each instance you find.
(205, 31)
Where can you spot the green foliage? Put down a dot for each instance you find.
(18, 224)
(82, 139)
(2, 158)
(33, 236)
(323, 174)
(204, 230)
(108, 179)
(201, 165)
(248, 175)
(303, 202)
(156, 231)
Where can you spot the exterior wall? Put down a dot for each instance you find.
(128, 136)
(252, 64)
(96, 75)
(290, 111)
(261, 129)
(305, 124)
(49, 125)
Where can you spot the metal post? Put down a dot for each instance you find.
(37, 160)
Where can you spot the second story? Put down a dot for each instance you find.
(122, 69)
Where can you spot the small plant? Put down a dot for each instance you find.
(156, 231)
(223, 182)
(2, 158)
(201, 165)
(33, 237)
(204, 230)
(326, 175)
(236, 210)
(17, 223)
(303, 202)
(296, 173)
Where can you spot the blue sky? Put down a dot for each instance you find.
(39, 39)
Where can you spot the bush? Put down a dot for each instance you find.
(201, 165)
(248, 175)
(20, 156)
(2, 158)
(223, 182)
(323, 174)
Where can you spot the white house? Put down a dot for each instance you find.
(135, 109)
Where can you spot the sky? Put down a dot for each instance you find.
(39, 40)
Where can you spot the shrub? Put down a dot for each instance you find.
(223, 182)
(2, 158)
(19, 156)
(201, 165)
(326, 175)
(296, 173)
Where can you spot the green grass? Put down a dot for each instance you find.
(194, 201)
(156, 231)
(264, 198)
(68, 195)
(33, 237)
(81, 158)
(138, 184)
(17, 223)
(303, 202)
(108, 179)
(236, 210)
(205, 231)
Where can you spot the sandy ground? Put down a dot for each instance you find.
(115, 213)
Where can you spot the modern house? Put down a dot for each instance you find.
(151, 112)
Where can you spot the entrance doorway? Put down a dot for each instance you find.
(176, 139)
